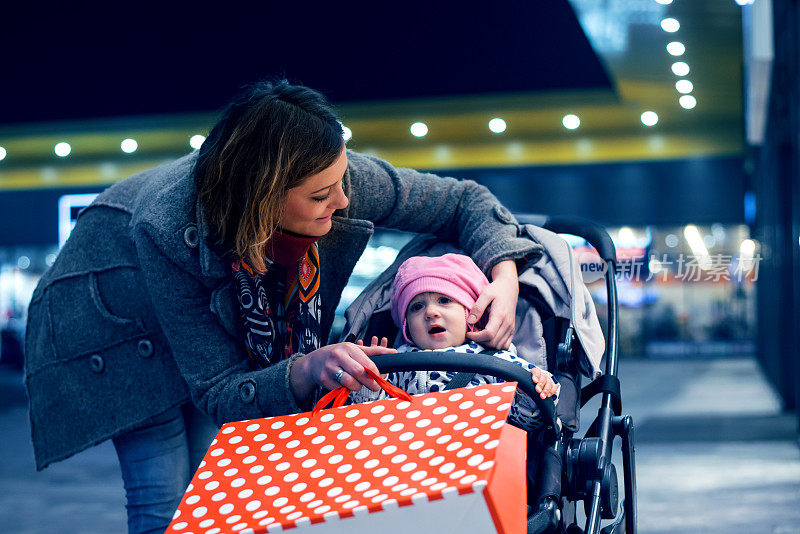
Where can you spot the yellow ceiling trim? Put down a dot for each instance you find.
(580, 150)
(101, 175)
(562, 152)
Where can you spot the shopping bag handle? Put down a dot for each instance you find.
(339, 395)
(477, 363)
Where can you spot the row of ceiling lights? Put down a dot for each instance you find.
(129, 146)
(498, 125)
(418, 129)
(679, 68)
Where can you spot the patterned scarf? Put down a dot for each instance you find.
(280, 310)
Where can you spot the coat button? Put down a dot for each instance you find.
(247, 391)
(145, 348)
(190, 236)
(96, 363)
(503, 215)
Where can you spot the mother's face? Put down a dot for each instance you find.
(310, 205)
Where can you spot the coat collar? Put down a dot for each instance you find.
(212, 264)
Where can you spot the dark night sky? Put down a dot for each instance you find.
(81, 60)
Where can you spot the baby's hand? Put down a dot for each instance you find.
(383, 343)
(544, 383)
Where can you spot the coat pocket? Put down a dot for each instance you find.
(95, 310)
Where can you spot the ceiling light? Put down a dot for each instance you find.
(62, 149)
(2, 153)
(129, 145)
(684, 86)
(676, 48)
(571, 122)
(649, 118)
(680, 68)
(670, 25)
(419, 129)
(664, 2)
(497, 125)
(744, 2)
(197, 141)
(687, 101)
(347, 133)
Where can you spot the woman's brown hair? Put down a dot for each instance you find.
(270, 138)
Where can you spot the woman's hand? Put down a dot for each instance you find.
(320, 367)
(502, 294)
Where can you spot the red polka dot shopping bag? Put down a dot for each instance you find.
(440, 462)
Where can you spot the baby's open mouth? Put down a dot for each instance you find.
(436, 330)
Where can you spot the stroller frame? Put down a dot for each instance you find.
(590, 474)
(567, 469)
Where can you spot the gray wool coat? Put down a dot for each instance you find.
(138, 314)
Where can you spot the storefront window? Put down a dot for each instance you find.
(20, 270)
(683, 291)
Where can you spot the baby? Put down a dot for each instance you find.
(431, 299)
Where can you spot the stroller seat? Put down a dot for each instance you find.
(556, 329)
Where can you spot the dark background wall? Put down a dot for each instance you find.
(777, 188)
(31, 217)
(698, 191)
(638, 193)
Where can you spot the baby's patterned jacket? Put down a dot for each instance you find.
(524, 412)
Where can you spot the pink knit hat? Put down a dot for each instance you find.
(454, 275)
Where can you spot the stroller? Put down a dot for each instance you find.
(556, 329)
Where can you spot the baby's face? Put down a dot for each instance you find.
(436, 321)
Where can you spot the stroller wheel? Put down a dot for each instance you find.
(609, 496)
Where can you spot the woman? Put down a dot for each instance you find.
(215, 278)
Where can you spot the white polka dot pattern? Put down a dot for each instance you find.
(266, 475)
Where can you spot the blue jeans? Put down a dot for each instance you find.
(158, 461)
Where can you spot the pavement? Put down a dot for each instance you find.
(714, 452)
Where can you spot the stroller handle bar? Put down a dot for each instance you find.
(592, 232)
(477, 363)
